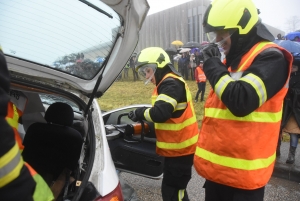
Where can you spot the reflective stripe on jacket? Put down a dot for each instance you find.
(11, 164)
(176, 136)
(240, 151)
(42, 191)
(199, 75)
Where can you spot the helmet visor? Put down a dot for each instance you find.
(147, 73)
(220, 36)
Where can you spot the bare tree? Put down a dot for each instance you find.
(292, 23)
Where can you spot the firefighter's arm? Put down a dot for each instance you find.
(261, 81)
(170, 92)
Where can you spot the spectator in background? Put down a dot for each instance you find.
(291, 112)
(192, 66)
(201, 81)
(126, 68)
(297, 39)
(185, 68)
(132, 66)
(82, 56)
(198, 57)
(279, 37)
(183, 65)
(78, 60)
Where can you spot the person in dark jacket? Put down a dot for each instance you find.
(236, 149)
(175, 121)
(198, 57)
(16, 181)
(291, 113)
(23, 181)
(131, 63)
(183, 65)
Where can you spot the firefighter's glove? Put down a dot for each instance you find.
(132, 116)
(211, 50)
(137, 114)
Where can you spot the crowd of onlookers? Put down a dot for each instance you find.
(280, 37)
(187, 64)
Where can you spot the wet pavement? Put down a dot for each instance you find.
(287, 171)
(149, 190)
(281, 187)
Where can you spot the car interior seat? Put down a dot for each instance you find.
(34, 112)
(53, 146)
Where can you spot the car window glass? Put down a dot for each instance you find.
(49, 99)
(112, 118)
(65, 35)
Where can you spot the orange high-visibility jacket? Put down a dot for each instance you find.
(177, 136)
(240, 151)
(199, 75)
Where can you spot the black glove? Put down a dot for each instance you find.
(211, 50)
(137, 114)
(132, 116)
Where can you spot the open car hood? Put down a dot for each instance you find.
(70, 43)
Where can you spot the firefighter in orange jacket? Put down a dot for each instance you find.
(201, 81)
(174, 120)
(18, 180)
(236, 149)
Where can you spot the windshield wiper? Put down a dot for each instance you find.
(96, 8)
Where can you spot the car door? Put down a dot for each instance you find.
(132, 144)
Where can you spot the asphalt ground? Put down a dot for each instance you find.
(149, 190)
(284, 170)
(283, 186)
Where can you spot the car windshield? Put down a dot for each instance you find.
(70, 36)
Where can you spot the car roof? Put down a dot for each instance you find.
(60, 41)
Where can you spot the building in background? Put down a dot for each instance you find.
(182, 22)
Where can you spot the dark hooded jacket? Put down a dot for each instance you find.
(270, 65)
(292, 100)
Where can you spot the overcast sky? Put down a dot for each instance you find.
(273, 12)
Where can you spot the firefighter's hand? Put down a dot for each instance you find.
(132, 116)
(137, 114)
(211, 50)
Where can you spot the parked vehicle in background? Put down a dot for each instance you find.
(39, 34)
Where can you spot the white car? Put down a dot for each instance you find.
(84, 145)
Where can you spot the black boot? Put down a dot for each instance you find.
(291, 157)
(278, 151)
